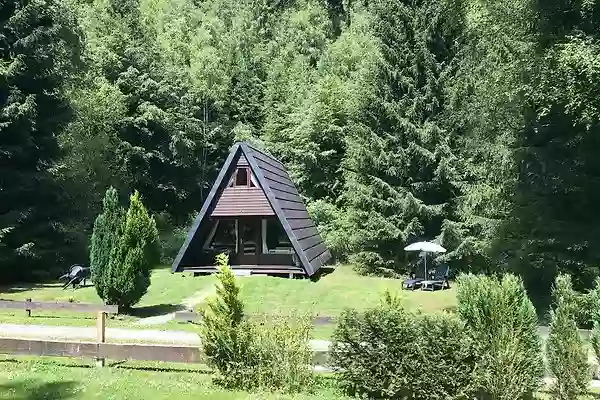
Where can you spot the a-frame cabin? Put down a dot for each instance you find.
(255, 214)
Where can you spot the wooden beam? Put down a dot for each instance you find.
(74, 307)
(113, 351)
(101, 332)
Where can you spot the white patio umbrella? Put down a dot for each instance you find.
(426, 247)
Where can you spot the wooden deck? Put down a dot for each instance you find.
(287, 270)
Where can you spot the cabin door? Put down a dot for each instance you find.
(249, 241)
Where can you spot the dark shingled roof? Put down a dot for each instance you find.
(284, 199)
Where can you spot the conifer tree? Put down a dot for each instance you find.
(402, 172)
(128, 273)
(40, 47)
(104, 238)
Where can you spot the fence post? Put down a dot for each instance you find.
(28, 310)
(101, 331)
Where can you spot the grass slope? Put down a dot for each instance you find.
(165, 293)
(331, 294)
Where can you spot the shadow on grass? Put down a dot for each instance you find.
(31, 390)
(24, 287)
(157, 368)
(155, 310)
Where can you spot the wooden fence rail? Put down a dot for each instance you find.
(116, 351)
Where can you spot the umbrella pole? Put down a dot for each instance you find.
(426, 277)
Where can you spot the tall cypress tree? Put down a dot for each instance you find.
(402, 174)
(105, 237)
(39, 46)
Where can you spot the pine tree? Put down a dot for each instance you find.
(226, 335)
(128, 273)
(566, 353)
(40, 47)
(104, 239)
(402, 174)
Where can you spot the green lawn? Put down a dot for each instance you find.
(326, 297)
(331, 294)
(29, 379)
(165, 293)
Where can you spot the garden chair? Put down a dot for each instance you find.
(439, 280)
(415, 281)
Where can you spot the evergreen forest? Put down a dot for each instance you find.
(470, 122)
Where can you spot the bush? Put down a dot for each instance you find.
(104, 238)
(567, 356)
(273, 356)
(284, 357)
(389, 353)
(503, 321)
(131, 260)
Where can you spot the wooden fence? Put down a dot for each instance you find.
(100, 350)
(20, 346)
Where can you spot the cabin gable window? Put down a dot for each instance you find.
(243, 177)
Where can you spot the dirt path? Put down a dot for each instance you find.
(186, 304)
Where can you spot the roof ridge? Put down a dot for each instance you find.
(261, 151)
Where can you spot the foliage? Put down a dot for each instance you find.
(469, 122)
(388, 352)
(273, 355)
(401, 167)
(226, 336)
(105, 237)
(565, 350)
(135, 253)
(40, 52)
(284, 358)
(503, 321)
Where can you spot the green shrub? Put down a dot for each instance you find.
(105, 236)
(284, 357)
(273, 355)
(503, 322)
(226, 337)
(567, 356)
(389, 353)
(131, 260)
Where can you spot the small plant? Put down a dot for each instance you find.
(567, 356)
(272, 355)
(503, 322)
(283, 354)
(389, 353)
(128, 273)
(226, 336)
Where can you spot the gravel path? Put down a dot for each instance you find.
(114, 335)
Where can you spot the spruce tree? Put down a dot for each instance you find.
(104, 238)
(402, 173)
(128, 273)
(39, 47)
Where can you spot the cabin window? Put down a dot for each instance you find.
(274, 238)
(222, 236)
(243, 177)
